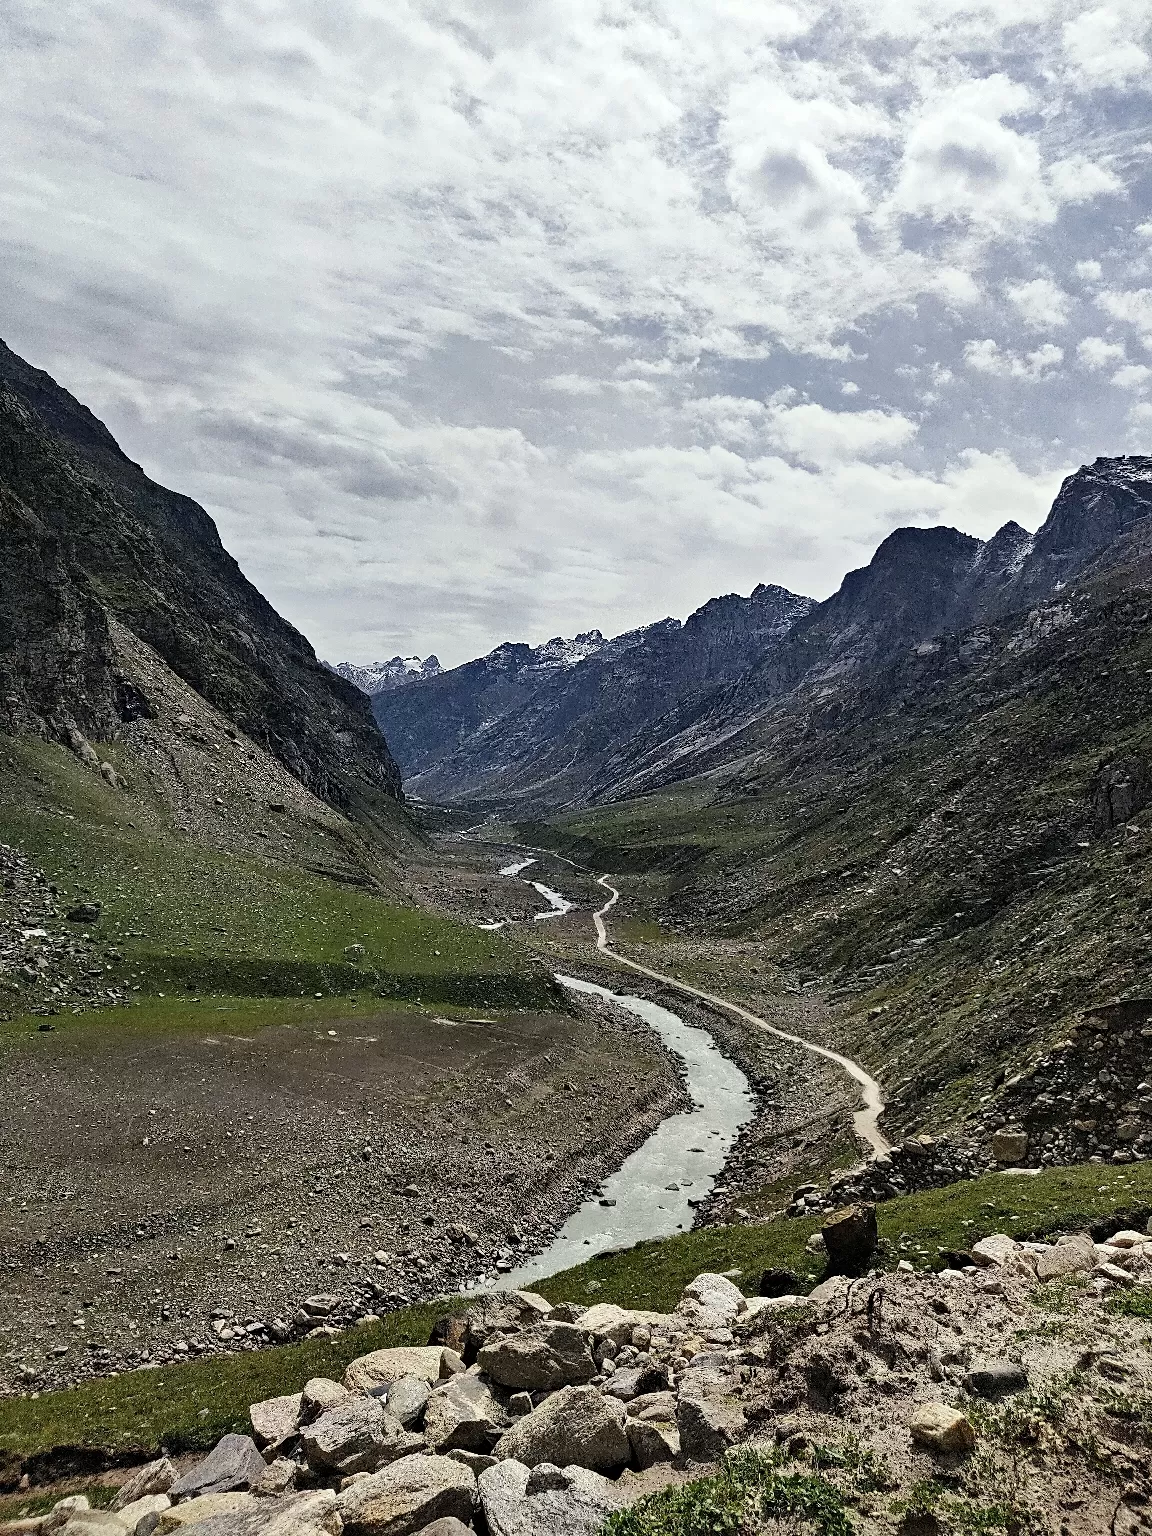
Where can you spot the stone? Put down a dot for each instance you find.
(232, 1466)
(532, 1306)
(448, 1526)
(850, 1238)
(304, 1514)
(544, 1356)
(707, 1427)
(94, 1522)
(1113, 1272)
(84, 912)
(279, 1477)
(205, 1507)
(712, 1300)
(637, 1381)
(758, 1306)
(779, 1282)
(994, 1250)
(1070, 1256)
(151, 1504)
(473, 1459)
(406, 1400)
(156, 1477)
(996, 1378)
(575, 1425)
(384, 1366)
(652, 1441)
(463, 1415)
(358, 1435)
(941, 1428)
(407, 1496)
(549, 1501)
(1010, 1147)
(606, 1321)
(275, 1418)
(319, 1395)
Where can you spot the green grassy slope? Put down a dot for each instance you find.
(190, 1405)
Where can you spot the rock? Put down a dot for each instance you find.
(448, 1526)
(319, 1395)
(759, 1305)
(205, 1507)
(151, 1504)
(996, 1378)
(304, 1514)
(548, 1501)
(941, 1428)
(475, 1460)
(707, 1427)
(850, 1238)
(94, 1522)
(575, 1425)
(84, 912)
(1113, 1272)
(605, 1321)
(995, 1250)
(1071, 1255)
(1010, 1147)
(407, 1496)
(547, 1355)
(406, 1400)
(235, 1464)
(637, 1381)
(384, 1366)
(711, 1301)
(279, 1477)
(532, 1306)
(652, 1441)
(276, 1418)
(156, 1477)
(358, 1435)
(463, 1415)
(779, 1282)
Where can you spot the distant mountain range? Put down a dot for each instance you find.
(382, 676)
(583, 721)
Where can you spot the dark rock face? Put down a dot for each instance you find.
(86, 536)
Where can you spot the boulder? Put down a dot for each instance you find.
(711, 1301)
(318, 1396)
(606, 1321)
(303, 1514)
(707, 1427)
(1070, 1256)
(406, 1400)
(232, 1466)
(1010, 1147)
(545, 1356)
(276, 1418)
(384, 1366)
(95, 1522)
(759, 1306)
(637, 1381)
(940, 1428)
(448, 1526)
(151, 1504)
(357, 1435)
(652, 1441)
(156, 1477)
(463, 1415)
(279, 1477)
(547, 1501)
(850, 1238)
(996, 1378)
(407, 1496)
(995, 1250)
(206, 1507)
(574, 1426)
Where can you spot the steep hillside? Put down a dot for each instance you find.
(92, 538)
(542, 726)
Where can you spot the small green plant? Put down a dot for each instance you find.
(750, 1485)
(870, 1470)
(1133, 1303)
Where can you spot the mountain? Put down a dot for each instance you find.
(543, 725)
(91, 543)
(382, 676)
(668, 702)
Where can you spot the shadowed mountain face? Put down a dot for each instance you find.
(87, 534)
(665, 703)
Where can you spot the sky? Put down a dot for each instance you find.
(477, 320)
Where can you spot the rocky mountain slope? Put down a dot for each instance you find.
(665, 703)
(544, 725)
(90, 540)
(382, 676)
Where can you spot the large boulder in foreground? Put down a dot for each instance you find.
(384, 1366)
(407, 1496)
(463, 1415)
(542, 1357)
(546, 1501)
(358, 1435)
(576, 1426)
(304, 1514)
(233, 1466)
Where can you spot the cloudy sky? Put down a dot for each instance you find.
(483, 319)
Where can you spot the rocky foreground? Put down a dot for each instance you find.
(1016, 1390)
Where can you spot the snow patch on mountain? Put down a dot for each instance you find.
(383, 676)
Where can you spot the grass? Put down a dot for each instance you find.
(182, 915)
(190, 1405)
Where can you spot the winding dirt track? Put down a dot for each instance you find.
(865, 1119)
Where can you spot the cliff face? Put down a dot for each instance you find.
(92, 535)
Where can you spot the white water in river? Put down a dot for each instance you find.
(679, 1161)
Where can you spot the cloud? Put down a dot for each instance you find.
(1095, 353)
(987, 357)
(815, 435)
(1040, 303)
(1132, 376)
(1103, 48)
(1133, 306)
